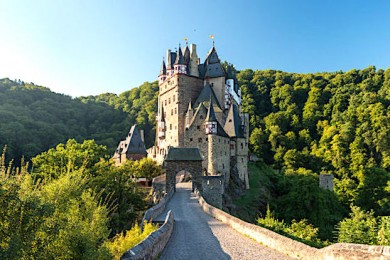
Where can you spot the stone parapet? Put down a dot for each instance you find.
(154, 244)
(292, 247)
(156, 210)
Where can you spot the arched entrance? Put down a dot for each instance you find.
(187, 159)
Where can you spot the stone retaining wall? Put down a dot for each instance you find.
(156, 210)
(154, 244)
(294, 248)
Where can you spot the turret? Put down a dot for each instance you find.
(180, 67)
(211, 121)
(169, 68)
(189, 114)
(211, 125)
(194, 71)
(161, 124)
(163, 73)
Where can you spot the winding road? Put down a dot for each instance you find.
(196, 235)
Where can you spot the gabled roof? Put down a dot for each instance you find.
(133, 143)
(212, 56)
(233, 124)
(202, 107)
(197, 111)
(214, 70)
(205, 94)
(183, 154)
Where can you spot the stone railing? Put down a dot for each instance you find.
(156, 210)
(154, 244)
(292, 247)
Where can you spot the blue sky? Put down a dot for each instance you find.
(89, 47)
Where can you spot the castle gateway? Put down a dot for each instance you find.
(199, 106)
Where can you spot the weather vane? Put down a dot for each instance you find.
(212, 37)
(186, 40)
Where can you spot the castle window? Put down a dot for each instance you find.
(230, 120)
(169, 101)
(201, 117)
(242, 159)
(170, 126)
(242, 146)
(223, 166)
(190, 139)
(171, 112)
(165, 102)
(219, 140)
(173, 98)
(207, 139)
(175, 110)
(199, 140)
(198, 127)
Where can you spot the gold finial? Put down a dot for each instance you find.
(212, 37)
(186, 40)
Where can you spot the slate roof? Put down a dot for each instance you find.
(210, 113)
(133, 143)
(183, 154)
(233, 124)
(179, 57)
(186, 55)
(163, 69)
(205, 94)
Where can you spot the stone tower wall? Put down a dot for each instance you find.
(218, 85)
(213, 190)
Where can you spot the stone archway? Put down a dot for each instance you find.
(188, 159)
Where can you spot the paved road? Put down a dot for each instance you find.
(197, 235)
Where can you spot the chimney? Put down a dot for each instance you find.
(142, 135)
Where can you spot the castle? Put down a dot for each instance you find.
(199, 106)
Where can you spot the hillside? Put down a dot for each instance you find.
(34, 119)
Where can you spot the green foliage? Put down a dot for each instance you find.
(299, 230)
(123, 242)
(68, 208)
(307, 124)
(35, 119)
(53, 219)
(360, 227)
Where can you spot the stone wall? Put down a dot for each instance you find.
(294, 248)
(154, 244)
(156, 210)
(213, 189)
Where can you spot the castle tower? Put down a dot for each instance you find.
(194, 60)
(210, 126)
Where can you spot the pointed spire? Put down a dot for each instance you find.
(179, 57)
(162, 117)
(210, 113)
(163, 69)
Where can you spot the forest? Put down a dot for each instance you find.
(34, 119)
(301, 125)
(338, 123)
